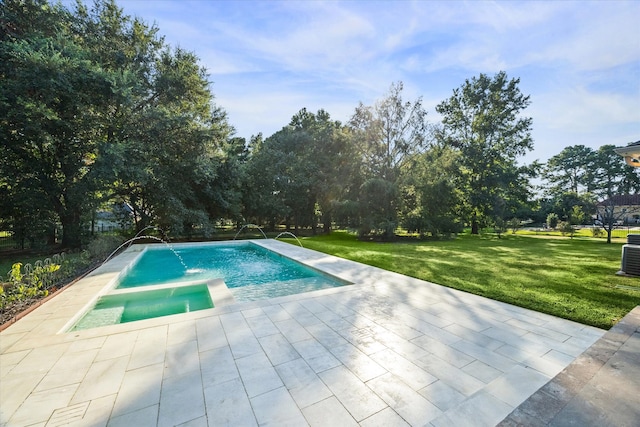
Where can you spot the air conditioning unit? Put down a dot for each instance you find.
(630, 260)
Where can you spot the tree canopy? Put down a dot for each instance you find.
(482, 120)
(95, 107)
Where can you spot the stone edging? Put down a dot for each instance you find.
(41, 301)
(543, 406)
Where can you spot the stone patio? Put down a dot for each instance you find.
(387, 350)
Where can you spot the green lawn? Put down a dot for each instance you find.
(570, 278)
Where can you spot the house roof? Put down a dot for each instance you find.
(622, 200)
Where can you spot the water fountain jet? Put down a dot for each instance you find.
(130, 241)
(291, 234)
(249, 225)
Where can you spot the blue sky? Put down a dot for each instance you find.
(579, 61)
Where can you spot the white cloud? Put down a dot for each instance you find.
(596, 37)
(580, 110)
(579, 61)
(579, 116)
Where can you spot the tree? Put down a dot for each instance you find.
(430, 197)
(566, 227)
(575, 217)
(482, 120)
(571, 171)
(610, 212)
(160, 124)
(95, 107)
(565, 205)
(300, 171)
(388, 134)
(178, 134)
(612, 175)
(50, 99)
(331, 153)
(225, 195)
(614, 180)
(514, 224)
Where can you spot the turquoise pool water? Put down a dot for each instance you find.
(129, 307)
(249, 271)
(158, 284)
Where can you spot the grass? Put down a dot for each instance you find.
(570, 278)
(618, 234)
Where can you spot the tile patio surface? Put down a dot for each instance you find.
(388, 350)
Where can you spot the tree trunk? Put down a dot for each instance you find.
(475, 229)
(51, 235)
(326, 223)
(71, 229)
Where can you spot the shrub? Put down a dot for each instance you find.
(499, 226)
(514, 224)
(27, 284)
(566, 228)
(597, 232)
(552, 220)
(103, 245)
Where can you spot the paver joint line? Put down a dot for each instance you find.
(568, 395)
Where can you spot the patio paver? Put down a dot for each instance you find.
(388, 349)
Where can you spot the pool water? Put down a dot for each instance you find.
(132, 306)
(158, 284)
(249, 271)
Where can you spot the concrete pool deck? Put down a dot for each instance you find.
(388, 350)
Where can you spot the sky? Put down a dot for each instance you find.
(578, 61)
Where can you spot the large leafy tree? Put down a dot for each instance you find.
(261, 202)
(51, 96)
(482, 121)
(331, 154)
(299, 171)
(430, 198)
(96, 107)
(166, 142)
(170, 150)
(388, 135)
(225, 193)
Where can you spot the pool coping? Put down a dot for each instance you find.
(219, 292)
(102, 281)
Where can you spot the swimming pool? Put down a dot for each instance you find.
(251, 272)
(127, 307)
(165, 280)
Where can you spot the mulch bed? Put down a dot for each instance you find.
(10, 314)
